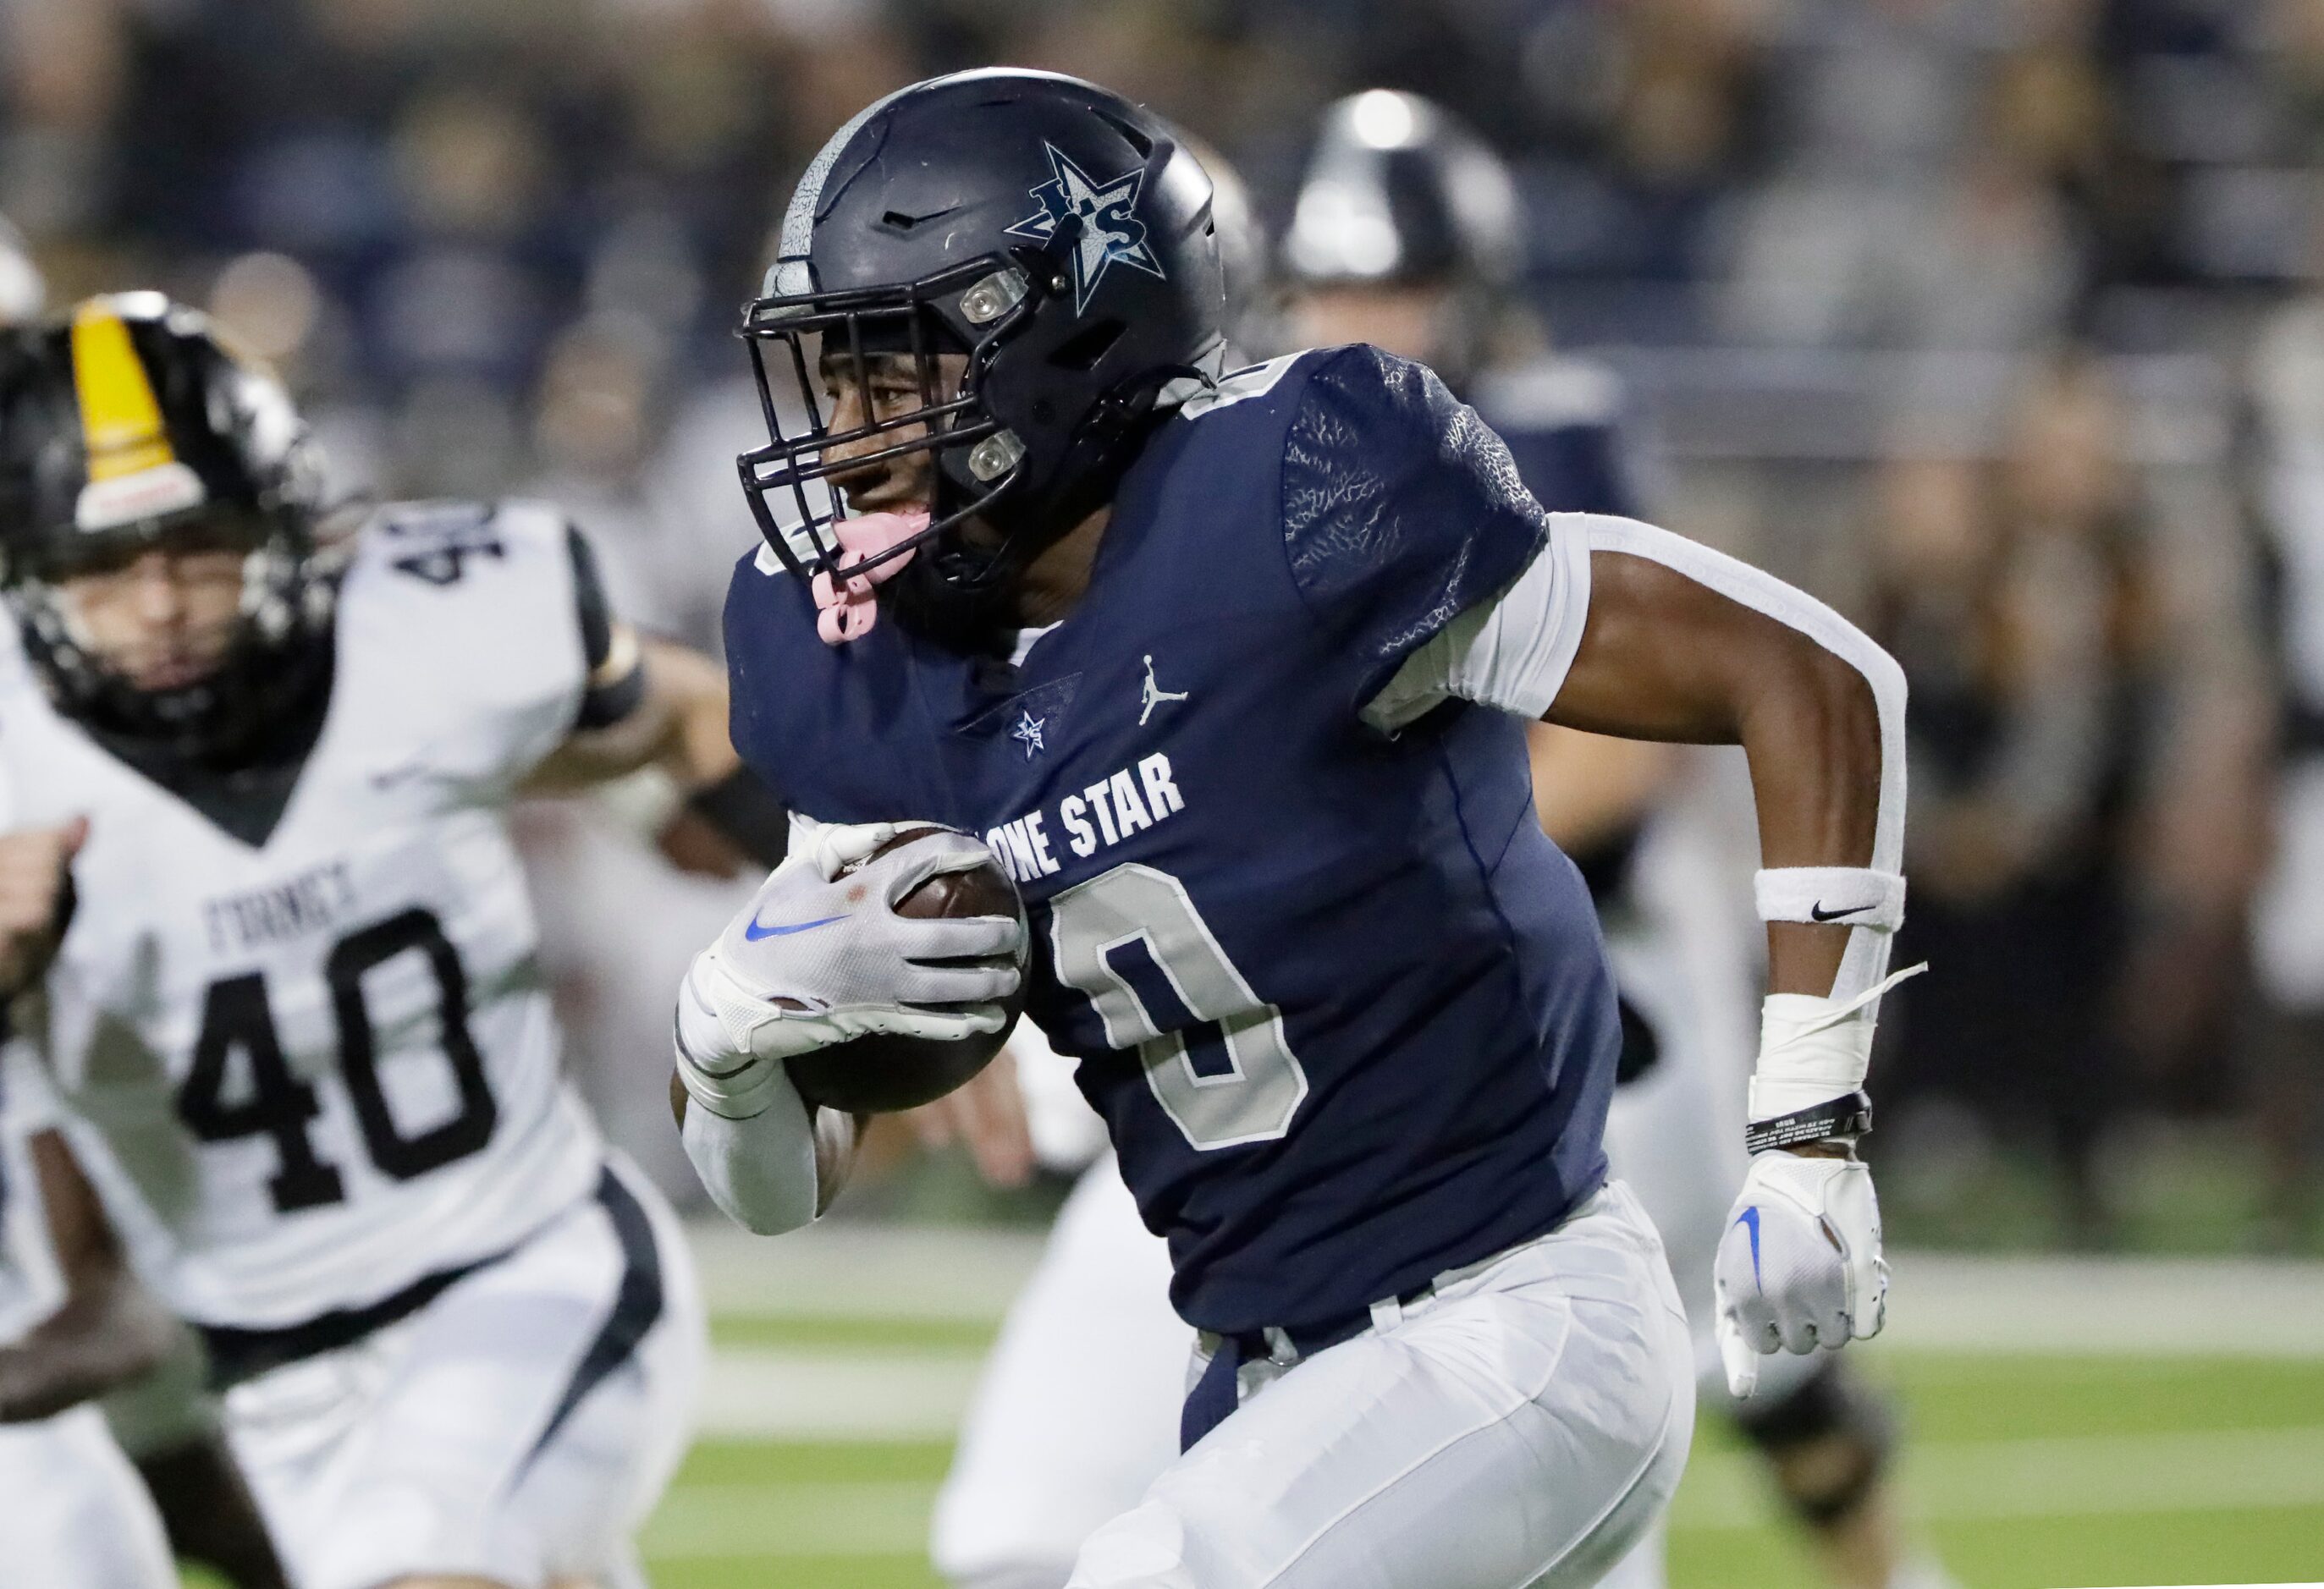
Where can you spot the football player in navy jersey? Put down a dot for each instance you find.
(1444, 292)
(1233, 672)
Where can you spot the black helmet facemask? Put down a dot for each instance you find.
(1052, 237)
(270, 661)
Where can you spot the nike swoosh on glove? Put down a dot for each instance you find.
(818, 958)
(1799, 1266)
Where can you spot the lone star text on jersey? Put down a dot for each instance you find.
(1098, 818)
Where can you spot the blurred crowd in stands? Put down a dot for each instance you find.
(1996, 322)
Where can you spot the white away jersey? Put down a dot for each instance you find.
(30, 1287)
(308, 1073)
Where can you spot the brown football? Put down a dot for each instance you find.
(879, 1074)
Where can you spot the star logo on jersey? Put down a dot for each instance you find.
(1028, 734)
(1108, 231)
(1154, 695)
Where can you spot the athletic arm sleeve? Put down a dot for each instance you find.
(761, 1171)
(27, 1104)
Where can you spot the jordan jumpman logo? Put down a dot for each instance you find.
(1155, 694)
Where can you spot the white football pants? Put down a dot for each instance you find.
(1521, 1425)
(73, 1513)
(517, 1429)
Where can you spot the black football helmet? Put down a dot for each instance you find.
(1398, 192)
(129, 425)
(1058, 236)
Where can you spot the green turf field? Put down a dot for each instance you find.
(2027, 1471)
(2072, 1422)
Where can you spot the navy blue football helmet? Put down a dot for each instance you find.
(1397, 189)
(1058, 236)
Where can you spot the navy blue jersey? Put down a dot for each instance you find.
(1343, 1006)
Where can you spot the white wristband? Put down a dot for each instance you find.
(1812, 1049)
(735, 1085)
(1852, 896)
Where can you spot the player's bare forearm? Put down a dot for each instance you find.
(35, 899)
(1665, 657)
(697, 752)
(208, 1514)
(109, 1329)
(679, 724)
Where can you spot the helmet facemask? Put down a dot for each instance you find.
(260, 668)
(859, 333)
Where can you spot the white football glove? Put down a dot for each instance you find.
(835, 946)
(1800, 1265)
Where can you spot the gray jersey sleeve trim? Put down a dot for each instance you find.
(1511, 652)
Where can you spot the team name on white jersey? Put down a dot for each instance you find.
(316, 900)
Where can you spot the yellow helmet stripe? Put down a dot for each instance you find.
(120, 421)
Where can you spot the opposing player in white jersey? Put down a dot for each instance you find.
(72, 1325)
(296, 1022)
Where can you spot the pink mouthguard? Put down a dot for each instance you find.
(847, 607)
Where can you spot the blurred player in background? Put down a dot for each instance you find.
(2288, 913)
(1406, 235)
(74, 1324)
(296, 1024)
(1355, 1044)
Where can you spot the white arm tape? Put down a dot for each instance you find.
(1858, 896)
(1812, 1049)
(1865, 960)
(761, 1171)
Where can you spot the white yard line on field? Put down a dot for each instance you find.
(912, 1271)
(763, 1395)
(1965, 1480)
(2137, 1306)
(1940, 1301)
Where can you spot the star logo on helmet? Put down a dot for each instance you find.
(1110, 234)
